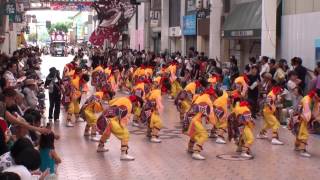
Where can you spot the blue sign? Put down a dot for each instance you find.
(317, 47)
(189, 25)
(317, 43)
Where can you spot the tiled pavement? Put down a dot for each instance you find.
(170, 161)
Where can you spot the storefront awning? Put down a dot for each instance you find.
(244, 21)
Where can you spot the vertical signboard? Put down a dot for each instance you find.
(190, 25)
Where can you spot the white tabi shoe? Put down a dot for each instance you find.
(95, 138)
(220, 141)
(155, 140)
(305, 154)
(102, 149)
(135, 124)
(246, 155)
(276, 141)
(197, 156)
(70, 124)
(126, 157)
(262, 136)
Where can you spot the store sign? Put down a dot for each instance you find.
(242, 33)
(155, 18)
(174, 31)
(202, 14)
(10, 8)
(190, 25)
(191, 5)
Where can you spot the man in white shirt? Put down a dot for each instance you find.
(264, 66)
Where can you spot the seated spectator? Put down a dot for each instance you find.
(9, 176)
(14, 118)
(30, 91)
(6, 160)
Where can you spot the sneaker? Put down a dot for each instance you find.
(197, 156)
(56, 120)
(95, 138)
(190, 150)
(305, 154)
(50, 119)
(246, 155)
(69, 124)
(135, 124)
(213, 135)
(276, 141)
(102, 149)
(155, 140)
(220, 141)
(262, 136)
(126, 157)
(86, 134)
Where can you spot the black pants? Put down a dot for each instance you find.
(54, 101)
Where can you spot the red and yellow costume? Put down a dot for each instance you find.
(242, 85)
(117, 125)
(270, 120)
(155, 123)
(197, 132)
(246, 125)
(175, 86)
(90, 109)
(221, 108)
(302, 135)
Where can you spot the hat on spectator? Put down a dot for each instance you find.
(30, 82)
(267, 75)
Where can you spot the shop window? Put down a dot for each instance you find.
(226, 6)
(174, 13)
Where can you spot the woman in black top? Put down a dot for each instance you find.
(52, 83)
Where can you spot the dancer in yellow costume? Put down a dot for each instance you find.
(89, 112)
(221, 112)
(245, 125)
(175, 85)
(201, 108)
(242, 85)
(138, 90)
(302, 135)
(117, 125)
(74, 105)
(214, 80)
(154, 101)
(270, 120)
(185, 97)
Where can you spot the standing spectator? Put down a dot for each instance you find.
(280, 74)
(49, 157)
(264, 66)
(253, 91)
(301, 72)
(292, 86)
(53, 84)
(234, 70)
(315, 82)
(252, 62)
(272, 67)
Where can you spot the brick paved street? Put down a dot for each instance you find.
(170, 161)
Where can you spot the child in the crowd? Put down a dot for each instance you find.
(49, 157)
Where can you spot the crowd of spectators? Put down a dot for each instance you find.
(26, 148)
